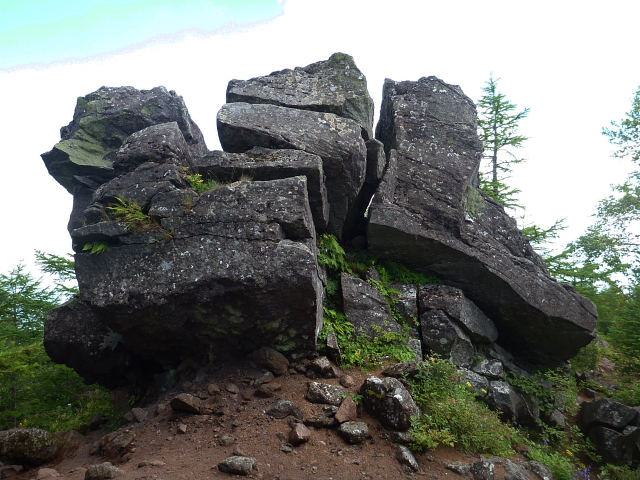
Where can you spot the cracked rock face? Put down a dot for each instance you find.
(428, 213)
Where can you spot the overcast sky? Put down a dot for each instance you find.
(574, 64)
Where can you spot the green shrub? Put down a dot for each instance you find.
(451, 415)
(132, 215)
(200, 185)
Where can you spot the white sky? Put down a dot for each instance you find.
(574, 64)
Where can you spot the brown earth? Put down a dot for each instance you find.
(180, 446)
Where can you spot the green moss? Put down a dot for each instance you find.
(473, 202)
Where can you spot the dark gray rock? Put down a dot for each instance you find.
(354, 432)
(541, 470)
(402, 370)
(490, 368)
(139, 186)
(479, 383)
(429, 214)
(612, 446)
(333, 86)
(267, 164)
(390, 401)
(323, 368)
(185, 402)
(366, 308)
(28, 445)
(325, 393)
(238, 465)
(333, 347)
(336, 140)
(232, 257)
(443, 336)
(607, 413)
(456, 306)
(162, 143)
(102, 471)
(103, 121)
(514, 407)
(269, 358)
(513, 471)
(460, 468)
(482, 470)
(281, 408)
(376, 162)
(405, 457)
(407, 303)
(75, 336)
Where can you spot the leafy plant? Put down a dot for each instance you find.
(96, 248)
(200, 185)
(132, 215)
(332, 255)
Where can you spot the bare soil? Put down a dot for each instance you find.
(180, 446)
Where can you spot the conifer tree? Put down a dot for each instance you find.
(498, 124)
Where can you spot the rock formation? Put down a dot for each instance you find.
(171, 270)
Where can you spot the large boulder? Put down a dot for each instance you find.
(267, 164)
(333, 86)
(101, 123)
(429, 214)
(390, 401)
(232, 270)
(366, 308)
(108, 137)
(28, 445)
(337, 140)
(75, 336)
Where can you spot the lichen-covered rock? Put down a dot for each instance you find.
(441, 335)
(337, 140)
(332, 86)
(102, 471)
(607, 413)
(223, 260)
(325, 393)
(514, 407)
(429, 214)
(238, 465)
(28, 445)
(354, 432)
(366, 308)
(390, 401)
(268, 164)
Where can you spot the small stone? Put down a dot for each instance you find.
(139, 414)
(214, 389)
(272, 359)
(483, 470)
(325, 393)
(460, 468)
(299, 434)
(348, 411)
(102, 471)
(354, 432)
(268, 390)
(182, 429)
(347, 381)
(232, 388)
(45, 473)
(286, 448)
(281, 408)
(226, 440)
(151, 463)
(404, 438)
(128, 417)
(238, 465)
(186, 402)
(405, 457)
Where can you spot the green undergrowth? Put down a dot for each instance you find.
(132, 215)
(362, 350)
(451, 414)
(199, 184)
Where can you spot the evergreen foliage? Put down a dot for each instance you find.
(498, 124)
(34, 391)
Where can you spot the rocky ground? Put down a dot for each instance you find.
(171, 444)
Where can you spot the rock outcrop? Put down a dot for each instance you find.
(429, 214)
(182, 253)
